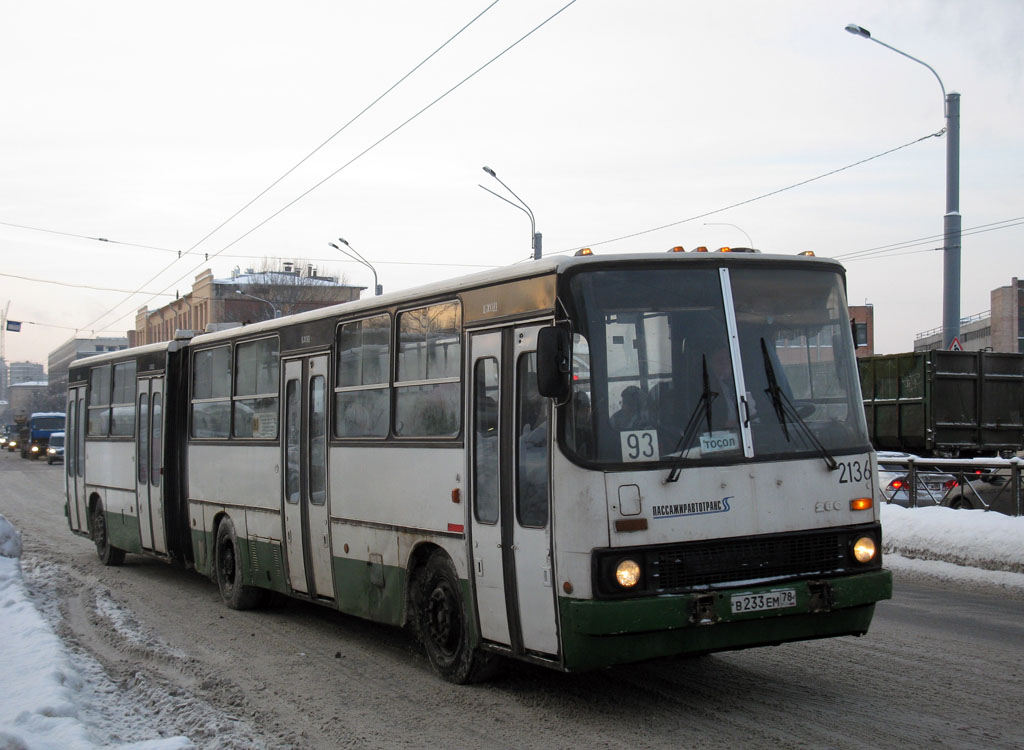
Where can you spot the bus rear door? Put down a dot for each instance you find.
(74, 460)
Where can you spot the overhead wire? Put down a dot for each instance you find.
(87, 237)
(882, 249)
(384, 138)
(752, 200)
(982, 229)
(90, 287)
(293, 168)
(67, 328)
(239, 256)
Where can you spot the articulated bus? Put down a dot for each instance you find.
(578, 462)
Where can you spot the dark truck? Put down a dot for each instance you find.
(945, 404)
(36, 431)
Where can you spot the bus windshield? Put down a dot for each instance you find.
(664, 372)
(48, 423)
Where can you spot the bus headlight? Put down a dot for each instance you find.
(627, 574)
(35, 448)
(864, 549)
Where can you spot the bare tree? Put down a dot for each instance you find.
(291, 287)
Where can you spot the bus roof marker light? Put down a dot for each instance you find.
(809, 253)
(583, 251)
(677, 249)
(700, 249)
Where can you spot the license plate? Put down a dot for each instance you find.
(760, 602)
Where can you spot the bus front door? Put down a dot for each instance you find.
(510, 475)
(149, 463)
(304, 491)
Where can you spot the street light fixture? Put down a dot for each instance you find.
(535, 235)
(277, 313)
(726, 224)
(358, 258)
(952, 221)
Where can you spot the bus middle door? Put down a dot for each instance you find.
(304, 499)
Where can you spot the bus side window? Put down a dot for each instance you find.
(255, 406)
(362, 398)
(485, 440)
(122, 405)
(427, 387)
(211, 393)
(99, 401)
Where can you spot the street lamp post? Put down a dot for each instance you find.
(534, 234)
(951, 220)
(277, 313)
(358, 258)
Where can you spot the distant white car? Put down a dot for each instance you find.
(894, 484)
(55, 449)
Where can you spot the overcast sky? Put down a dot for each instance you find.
(151, 124)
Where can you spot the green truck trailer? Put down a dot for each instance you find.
(940, 403)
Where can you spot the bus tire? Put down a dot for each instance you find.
(108, 553)
(441, 624)
(228, 565)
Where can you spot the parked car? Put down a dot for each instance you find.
(893, 480)
(990, 490)
(55, 450)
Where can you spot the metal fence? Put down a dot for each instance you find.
(991, 484)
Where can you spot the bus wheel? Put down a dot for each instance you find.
(442, 627)
(228, 563)
(108, 553)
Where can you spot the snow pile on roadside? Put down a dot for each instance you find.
(38, 709)
(974, 538)
(10, 540)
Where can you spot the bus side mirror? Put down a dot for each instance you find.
(554, 355)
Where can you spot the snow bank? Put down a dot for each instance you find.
(974, 538)
(38, 709)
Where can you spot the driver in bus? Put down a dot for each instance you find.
(633, 414)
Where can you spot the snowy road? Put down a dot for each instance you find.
(943, 665)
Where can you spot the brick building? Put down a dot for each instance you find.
(247, 297)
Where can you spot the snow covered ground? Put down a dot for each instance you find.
(42, 693)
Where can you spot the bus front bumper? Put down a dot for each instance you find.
(603, 633)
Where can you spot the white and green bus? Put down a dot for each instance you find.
(579, 462)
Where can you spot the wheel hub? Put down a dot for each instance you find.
(443, 620)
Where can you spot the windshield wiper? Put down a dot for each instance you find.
(783, 407)
(706, 397)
